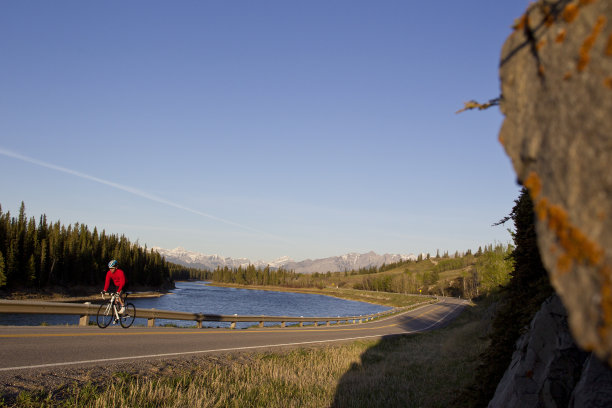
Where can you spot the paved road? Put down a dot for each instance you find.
(27, 349)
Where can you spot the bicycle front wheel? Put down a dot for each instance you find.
(105, 315)
(128, 316)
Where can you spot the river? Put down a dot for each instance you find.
(198, 297)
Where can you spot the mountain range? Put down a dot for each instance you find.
(340, 263)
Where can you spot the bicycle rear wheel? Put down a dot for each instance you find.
(105, 315)
(128, 316)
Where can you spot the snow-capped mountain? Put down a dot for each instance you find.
(333, 264)
(197, 260)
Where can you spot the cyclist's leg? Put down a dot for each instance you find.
(118, 300)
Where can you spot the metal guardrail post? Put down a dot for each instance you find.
(151, 320)
(84, 319)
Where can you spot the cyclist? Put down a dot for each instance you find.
(118, 278)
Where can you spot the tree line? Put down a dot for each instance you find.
(41, 254)
(483, 272)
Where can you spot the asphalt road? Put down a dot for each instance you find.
(28, 349)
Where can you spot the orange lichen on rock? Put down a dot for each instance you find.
(541, 209)
(568, 75)
(575, 245)
(533, 184)
(570, 12)
(557, 221)
(608, 82)
(564, 263)
(521, 22)
(609, 46)
(540, 44)
(561, 35)
(588, 43)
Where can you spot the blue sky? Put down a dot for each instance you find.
(258, 129)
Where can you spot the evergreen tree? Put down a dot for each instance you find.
(2, 274)
(528, 287)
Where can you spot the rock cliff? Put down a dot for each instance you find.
(548, 369)
(556, 77)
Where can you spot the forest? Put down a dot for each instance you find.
(42, 254)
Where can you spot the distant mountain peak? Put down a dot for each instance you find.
(340, 263)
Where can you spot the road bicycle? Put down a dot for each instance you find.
(109, 312)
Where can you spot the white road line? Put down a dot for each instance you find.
(106, 360)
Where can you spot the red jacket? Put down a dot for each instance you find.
(118, 278)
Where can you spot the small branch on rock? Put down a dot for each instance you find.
(469, 105)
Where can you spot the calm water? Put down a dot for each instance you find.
(197, 297)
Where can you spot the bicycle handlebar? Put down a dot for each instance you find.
(111, 294)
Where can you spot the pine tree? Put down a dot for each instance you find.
(31, 270)
(2, 274)
(528, 287)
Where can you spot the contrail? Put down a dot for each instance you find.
(128, 189)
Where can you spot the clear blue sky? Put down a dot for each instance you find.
(258, 129)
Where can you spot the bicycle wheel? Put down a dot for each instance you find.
(128, 316)
(105, 315)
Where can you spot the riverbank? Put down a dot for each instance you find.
(72, 294)
(378, 298)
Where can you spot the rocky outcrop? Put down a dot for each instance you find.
(593, 390)
(556, 76)
(548, 369)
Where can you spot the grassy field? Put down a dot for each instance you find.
(425, 370)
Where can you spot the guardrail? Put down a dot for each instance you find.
(85, 310)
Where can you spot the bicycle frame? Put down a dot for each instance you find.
(112, 303)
